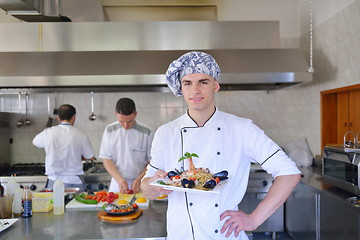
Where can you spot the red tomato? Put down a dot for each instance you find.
(134, 206)
(176, 177)
(130, 191)
(217, 180)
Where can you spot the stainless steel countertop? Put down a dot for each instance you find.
(84, 224)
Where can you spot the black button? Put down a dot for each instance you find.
(219, 128)
(191, 204)
(216, 231)
(218, 153)
(185, 130)
(216, 205)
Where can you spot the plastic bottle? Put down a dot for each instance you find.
(17, 203)
(58, 197)
(27, 202)
(11, 186)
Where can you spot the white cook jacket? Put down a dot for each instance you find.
(128, 149)
(64, 145)
(225, 142)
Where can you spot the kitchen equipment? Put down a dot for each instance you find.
(50, 119)
(259, 184)
(27, 121)
(21, 122)
(56, 110)
(340, 167)
(35, 182)
(92, 117)
(121, 219)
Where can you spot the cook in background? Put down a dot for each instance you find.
(125, 148)
(223, 142)
(65, 147)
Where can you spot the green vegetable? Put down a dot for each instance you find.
(188, 156)
(161, 182)
(80, 198)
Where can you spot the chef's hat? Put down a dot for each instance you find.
(189, 63)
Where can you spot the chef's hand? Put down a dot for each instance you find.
(136, 185)
(123, 185)
(160, 174)
(236, 222)
(152, 192)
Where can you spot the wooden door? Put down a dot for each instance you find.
(342, 112)
(354, 111)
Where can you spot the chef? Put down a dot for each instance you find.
(223, 142)
(65, 146)
(125, 148)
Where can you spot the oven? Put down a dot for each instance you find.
(340, 167)
(33, 175)
(259, 184)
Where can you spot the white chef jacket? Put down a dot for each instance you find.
(64, 146)
(128, 149)
(225, 142)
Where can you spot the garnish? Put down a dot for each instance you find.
(189, 156)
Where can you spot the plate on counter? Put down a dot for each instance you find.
(6, 223)
(216, 189)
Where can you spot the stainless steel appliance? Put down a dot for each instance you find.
(97, 178)
(340, 167)
(4, 142)
(258, 186)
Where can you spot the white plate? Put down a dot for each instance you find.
(217, 188)
(5, 223)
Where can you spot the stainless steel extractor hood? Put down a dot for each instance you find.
(134, 56)
(54, 10)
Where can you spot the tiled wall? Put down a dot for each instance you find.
(283, 114)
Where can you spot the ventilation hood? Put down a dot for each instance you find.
(54, 10)
(133, 56)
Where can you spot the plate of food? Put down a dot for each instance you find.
(193, 180)
(119, 209)
(6, 223)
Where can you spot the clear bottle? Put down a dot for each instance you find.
(11, 186)
(27, 202)
(17, 204)
(58, 197)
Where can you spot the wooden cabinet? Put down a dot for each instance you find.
(340, 113)
(348, 114)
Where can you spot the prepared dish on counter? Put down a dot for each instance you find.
(119, 209)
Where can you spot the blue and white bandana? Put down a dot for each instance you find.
(190, 63)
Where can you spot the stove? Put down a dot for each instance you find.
(27, 169)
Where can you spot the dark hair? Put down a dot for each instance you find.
(125, 106)
(66, 112)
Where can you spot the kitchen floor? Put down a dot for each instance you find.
(268, 236)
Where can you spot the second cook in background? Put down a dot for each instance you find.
(65, 146)
(125, 148)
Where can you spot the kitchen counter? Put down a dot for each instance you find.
(84, 224)
(312, 177)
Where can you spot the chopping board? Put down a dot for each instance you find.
(122, 219)
(122, 196)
